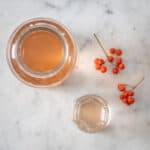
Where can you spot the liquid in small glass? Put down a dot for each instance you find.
(91, 113)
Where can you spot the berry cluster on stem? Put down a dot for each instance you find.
(127, 92)
(113, 57)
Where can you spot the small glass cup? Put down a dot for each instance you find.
(50, 77)
(91, 113)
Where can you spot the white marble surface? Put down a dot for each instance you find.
(41, 119)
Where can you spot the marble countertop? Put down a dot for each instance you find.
(41, 119)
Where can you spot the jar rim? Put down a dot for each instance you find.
(50, 73)
(86, 99)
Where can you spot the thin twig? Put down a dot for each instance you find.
(100, 44)
(135, 86)
(138, 83)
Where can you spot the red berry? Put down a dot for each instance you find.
(121, 87)
(96, 60)
(110, 58)
(118, 61)
(122, 97)
(97, 66)
(125, 94)
(101, 61)
(118, 52)
(121, 66)
(130, 101)
(112, 50)
(115, 70)
(103, 69)
(130, 93)
(125, 100)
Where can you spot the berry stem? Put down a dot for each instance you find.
(135, 86)
(103, 49)
(101, 45)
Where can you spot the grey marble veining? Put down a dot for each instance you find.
(41, 119)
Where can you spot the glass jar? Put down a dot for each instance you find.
(91, 113)
(41, 52)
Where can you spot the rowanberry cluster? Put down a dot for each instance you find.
(117, 62)
(99, 65)
(126, 95)
(127, 91)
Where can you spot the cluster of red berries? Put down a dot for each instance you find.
(126, 95)
(99, 65)
(116, 61)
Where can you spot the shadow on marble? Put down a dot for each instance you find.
(75, 79)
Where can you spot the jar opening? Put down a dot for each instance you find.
(41, 51)
(91, 113)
